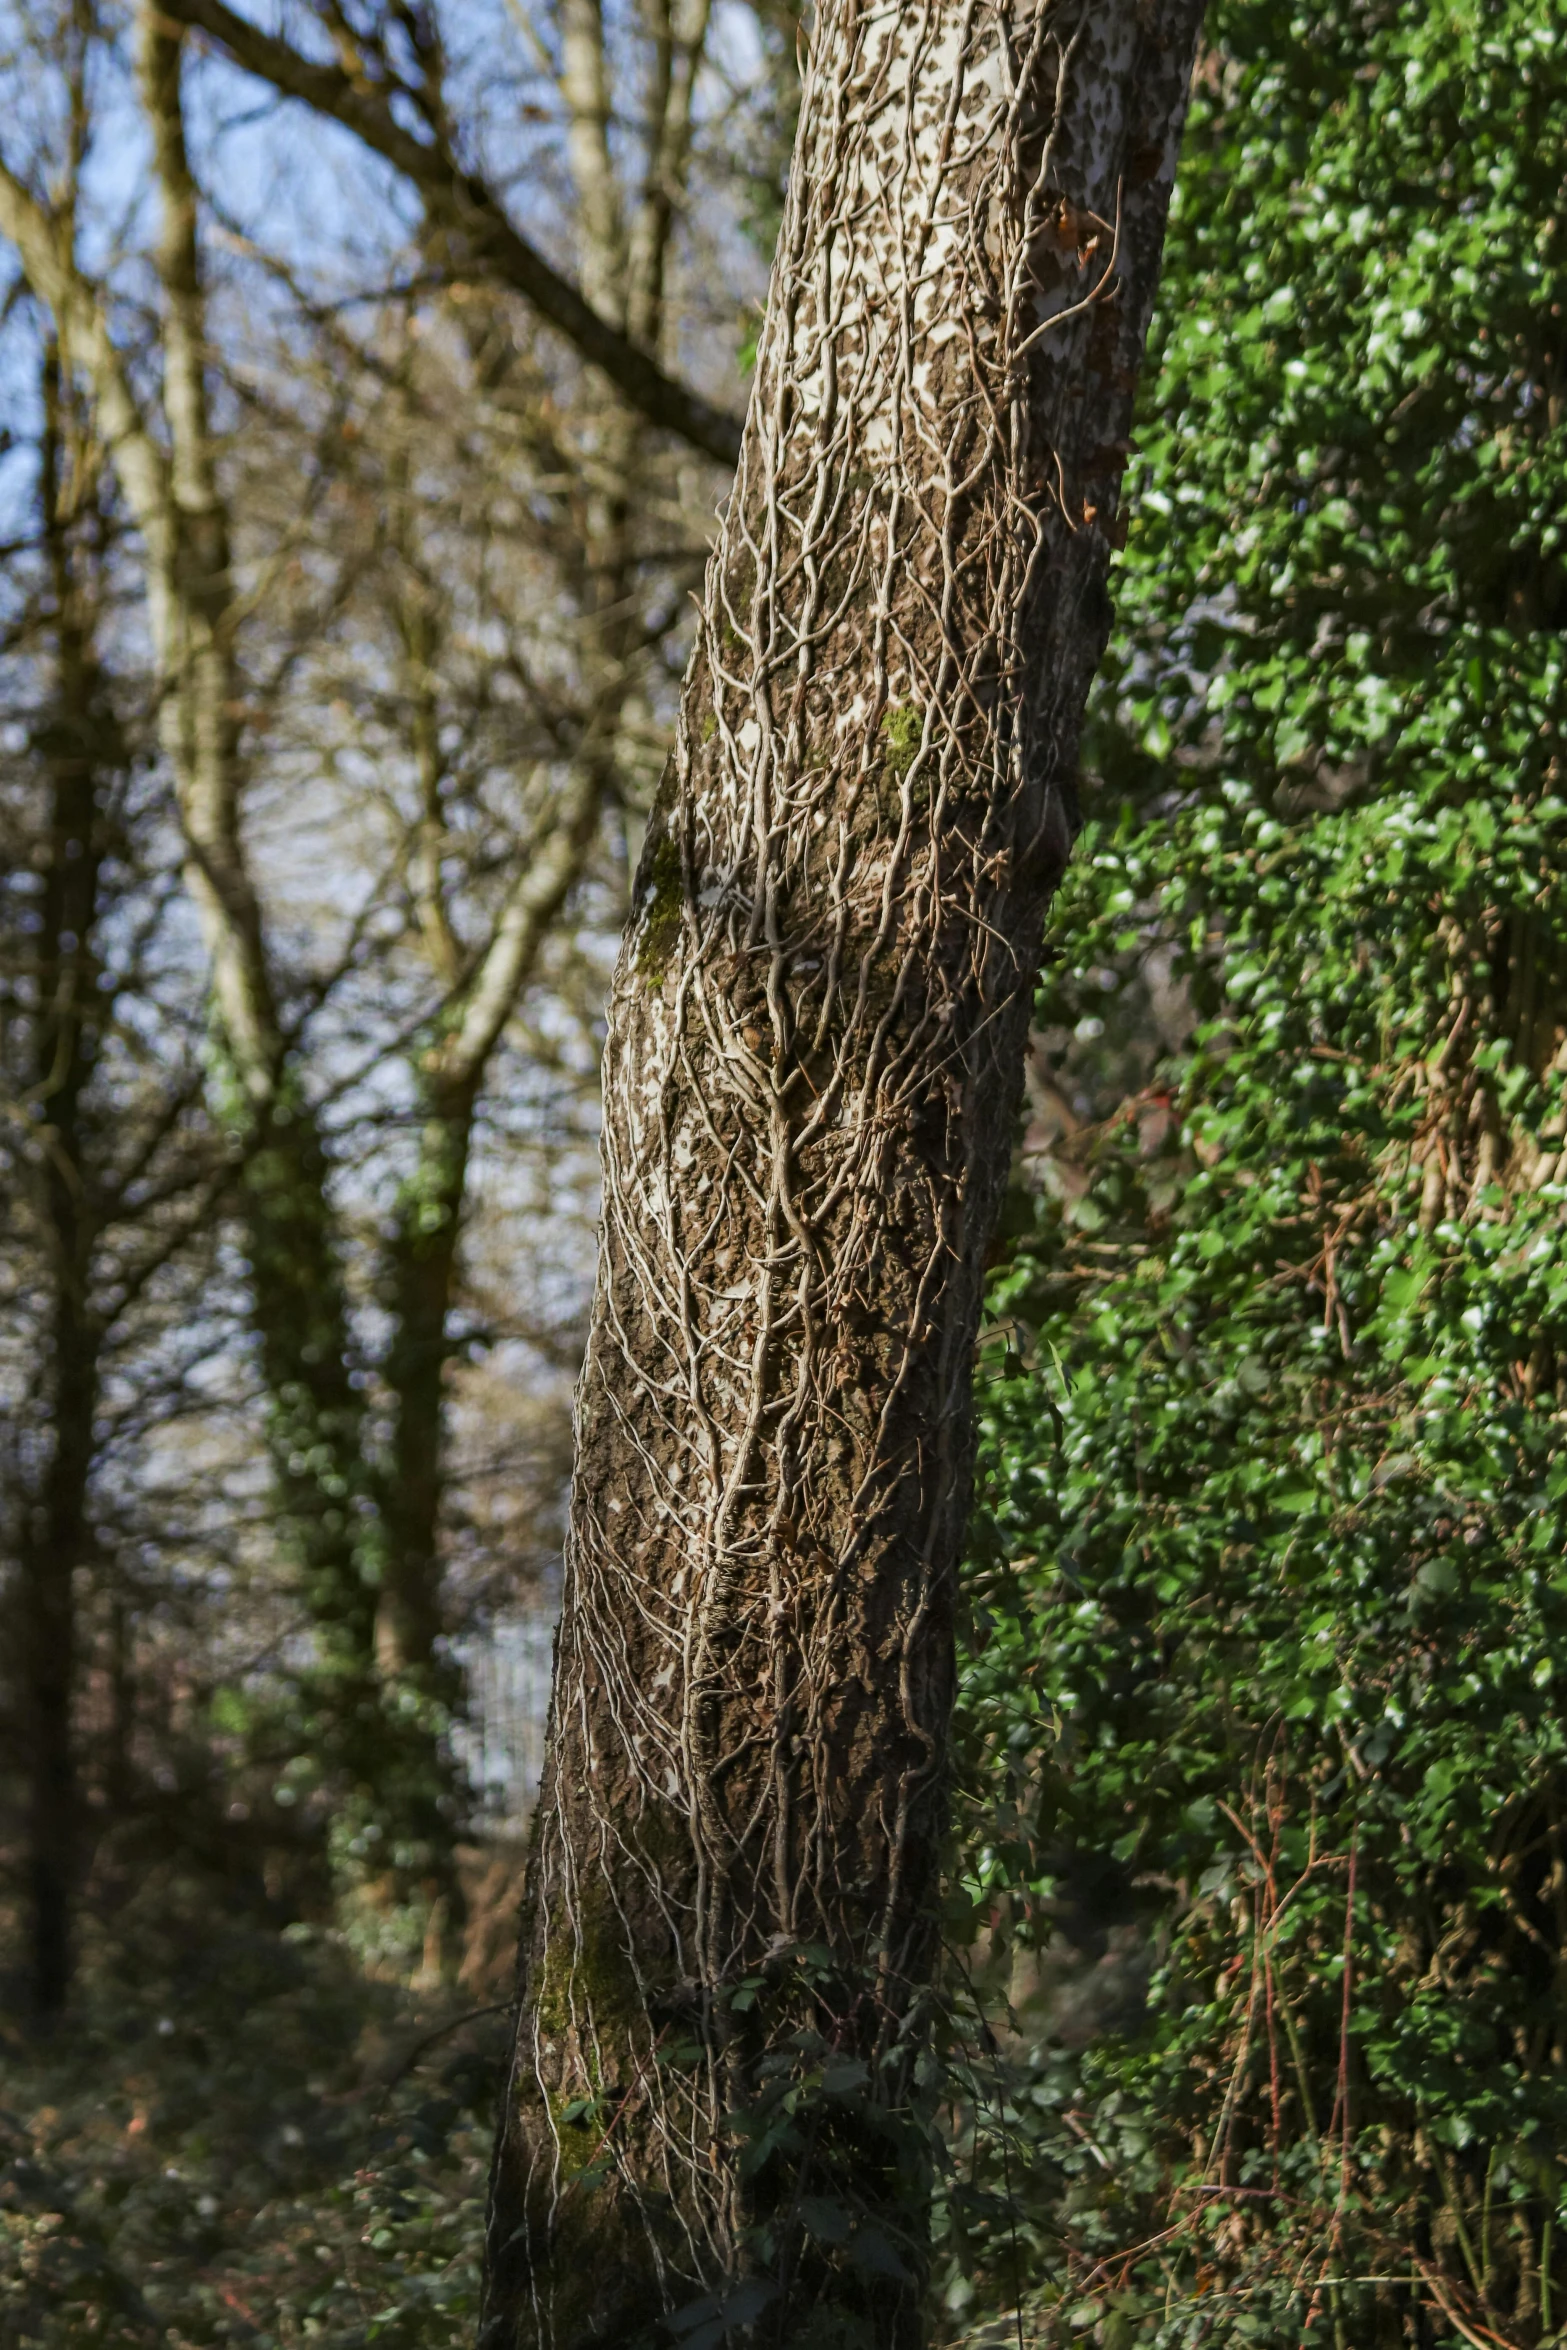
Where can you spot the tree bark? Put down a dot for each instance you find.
(811, 1079)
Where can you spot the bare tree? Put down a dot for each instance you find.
(581, 722)
(171, 486)
(813, 1069)
(398, 57)
(262, 1097)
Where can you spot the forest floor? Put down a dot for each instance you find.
(237, 2135)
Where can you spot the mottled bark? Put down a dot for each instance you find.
(812, 1074)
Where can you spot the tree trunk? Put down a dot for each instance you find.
(811, 1079)
(423, 1256)
(315, 1422)
(77, 744)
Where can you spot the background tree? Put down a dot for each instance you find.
(240, 586)
(108, 1184)
(392, 67)
(186, 533)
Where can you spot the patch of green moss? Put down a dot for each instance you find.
(580, 2124)
(902, 726)
(587, 1972)
(661, 924)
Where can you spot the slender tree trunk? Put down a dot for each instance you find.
(315, 1413)
(422, 1278)
(811, 1079)
(53, 1549)
(77, 743)
(427, 1233)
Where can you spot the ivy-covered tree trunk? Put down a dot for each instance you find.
(315, 1413)
(811, 1077)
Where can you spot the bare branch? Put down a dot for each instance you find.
(461, 203)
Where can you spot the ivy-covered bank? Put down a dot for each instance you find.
(1269, 1623)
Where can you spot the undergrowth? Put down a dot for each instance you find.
(238, 2136)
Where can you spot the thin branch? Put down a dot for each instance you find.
(461, 202)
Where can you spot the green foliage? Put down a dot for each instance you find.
(834, 2138)
(902, 726)
(1268, 1597)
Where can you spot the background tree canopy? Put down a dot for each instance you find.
(1259, 1888)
